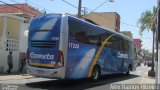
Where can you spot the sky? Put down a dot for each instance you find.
(129, 11)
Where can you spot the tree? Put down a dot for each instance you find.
(147, 21)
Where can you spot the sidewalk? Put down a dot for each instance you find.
(5, 77)
(147, 79)
(20, 79)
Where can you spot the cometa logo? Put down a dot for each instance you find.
(120, 55)
(42, 56)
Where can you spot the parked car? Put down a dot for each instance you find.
(145, 62)
(149, 63)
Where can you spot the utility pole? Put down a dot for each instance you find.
(84, 11)
(79, 8)
(158, 42)
(158, 16)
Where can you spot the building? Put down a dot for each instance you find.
(146, 52)
(137, 42)
(23, 10)
(139, 52)
(110, 20)
(14, 22)
(11, 39)
(127, 33)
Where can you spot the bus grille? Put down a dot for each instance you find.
(43, 44)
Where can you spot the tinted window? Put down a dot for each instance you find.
(120, 44)
(126, 46)
(83, 32)
(117, 43)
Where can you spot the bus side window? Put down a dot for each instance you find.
(72, 28)
(81, 37)
(120, 43)
(99, 41)
(113, 44)
(116, 43)
(126, 47)
(104, 37)
(130, 45)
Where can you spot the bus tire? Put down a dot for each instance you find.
(96, 73)
(128, 72)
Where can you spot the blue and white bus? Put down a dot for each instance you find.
(65, 47)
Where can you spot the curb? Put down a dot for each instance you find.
(15, 77)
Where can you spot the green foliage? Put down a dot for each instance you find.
(147, 21)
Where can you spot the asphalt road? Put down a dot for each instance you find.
(104, 83)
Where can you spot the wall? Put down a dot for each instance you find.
(110, 20)
(12, 29)
(0, 27)
(127, 33)
(13, 40)
(23, 39)
(4, 64)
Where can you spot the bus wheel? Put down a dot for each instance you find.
(128, 72)
(95, 73)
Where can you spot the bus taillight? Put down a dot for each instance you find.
(60, 61)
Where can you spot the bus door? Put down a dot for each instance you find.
(125, 55)
(117, 54)
(108, 54)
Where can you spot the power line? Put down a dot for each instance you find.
(70, 4)
(99, 6)
(18, 8)
(146, 38)
(103, 15)
(14, 1)
(37, 5)
(129, 24)
(98, 14)
(74, 7)
(120, 21)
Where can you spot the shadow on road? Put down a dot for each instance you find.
(79, 84)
